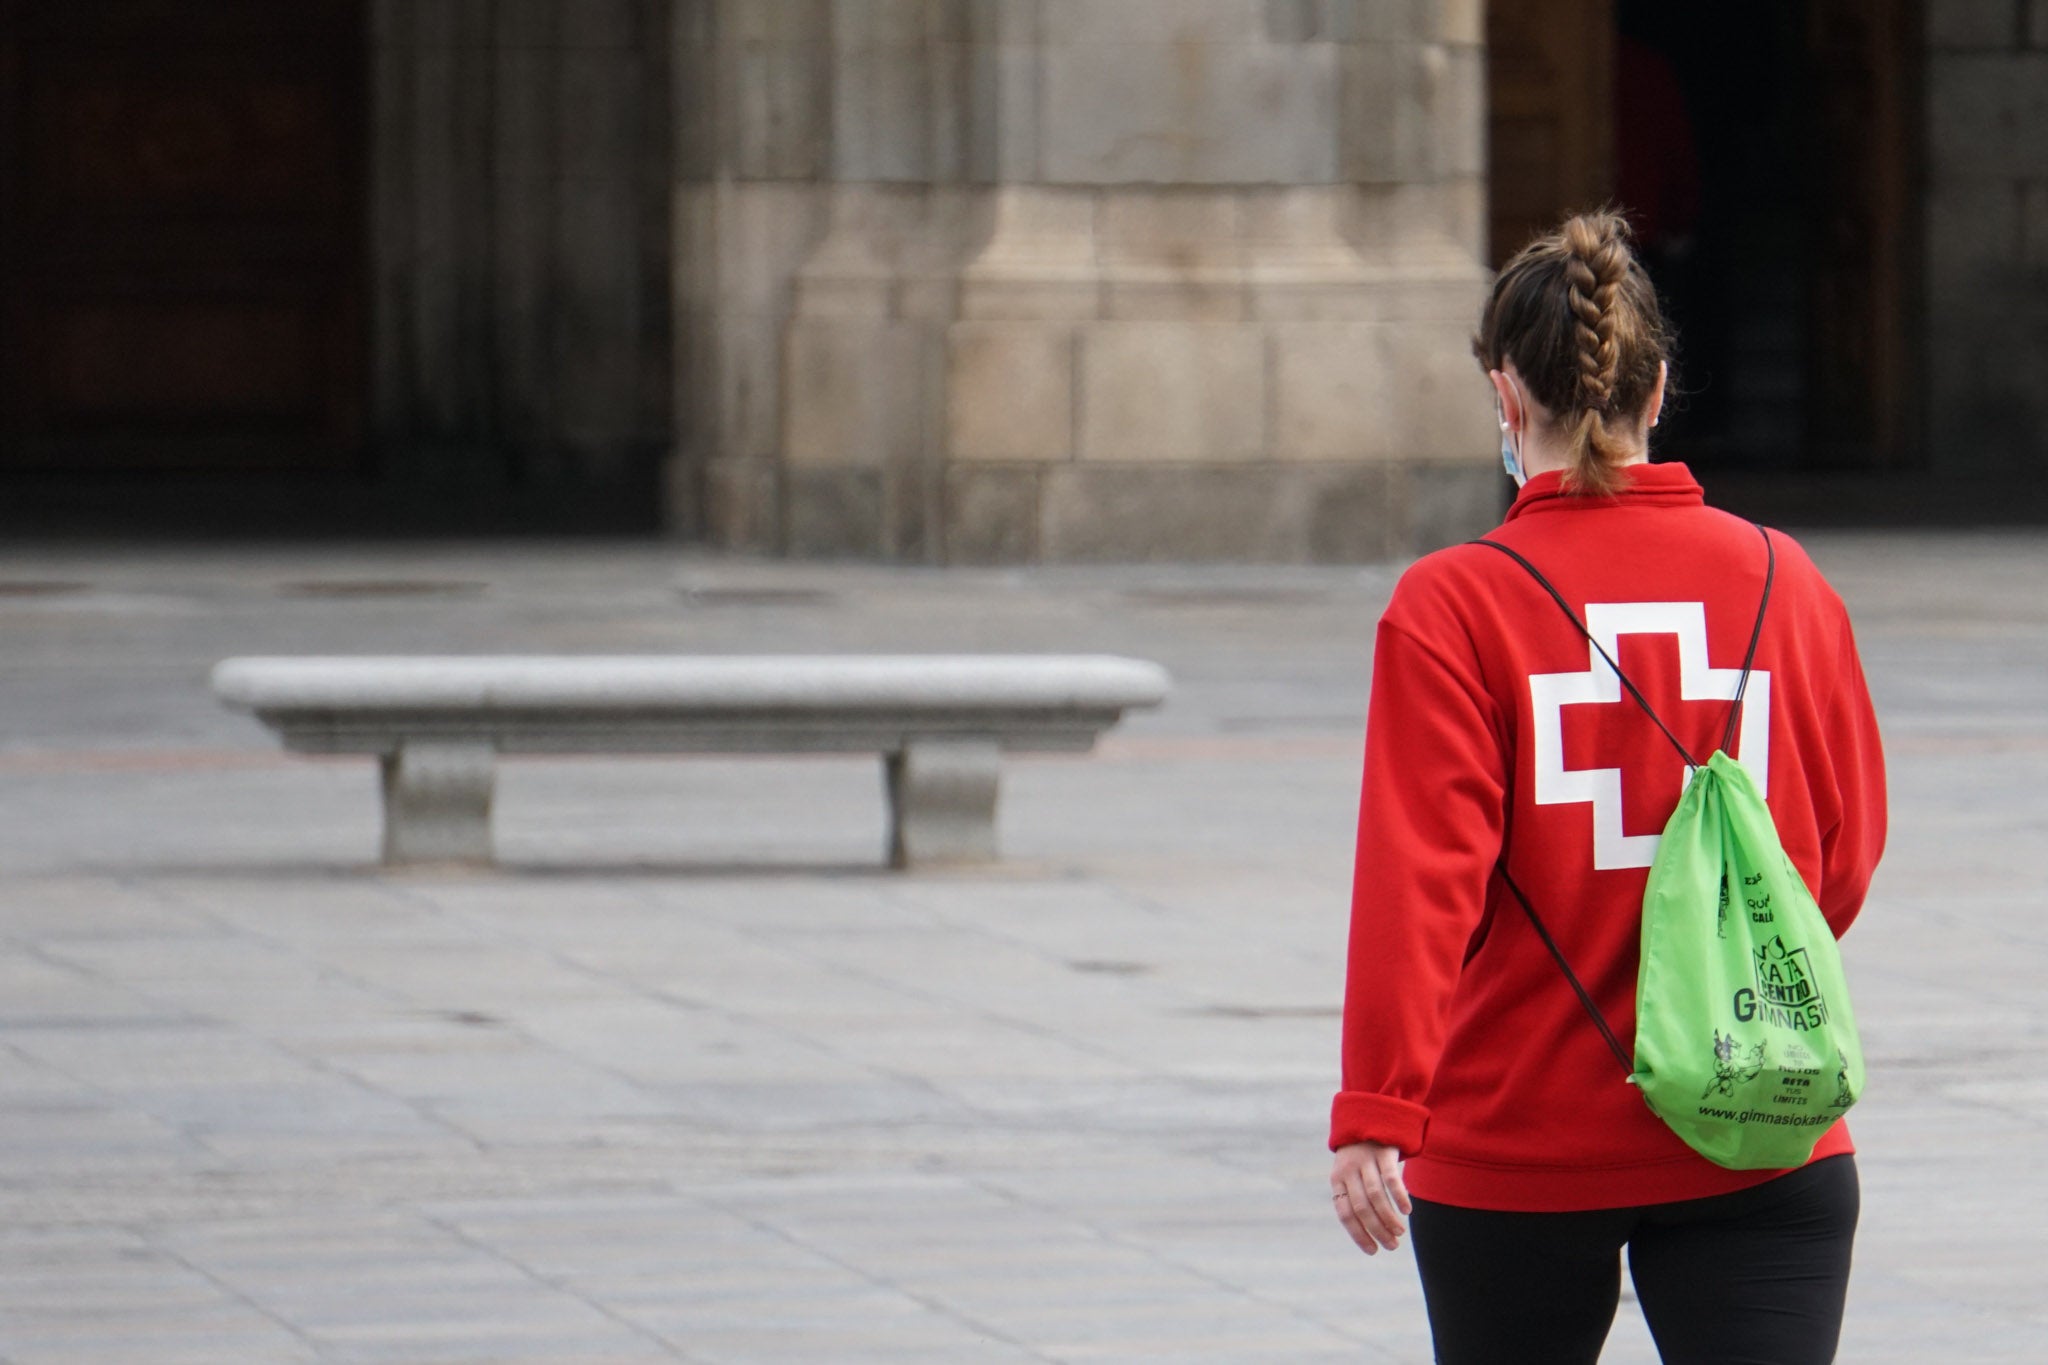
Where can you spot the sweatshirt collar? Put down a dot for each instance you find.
(1643, 485)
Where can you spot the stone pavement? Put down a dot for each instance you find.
(692, 1078)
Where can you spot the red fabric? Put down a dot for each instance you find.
(1463, 1045)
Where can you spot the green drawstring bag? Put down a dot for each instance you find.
(1746, 1043)
(1745, 1039)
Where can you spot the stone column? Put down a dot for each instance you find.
(1107, 279)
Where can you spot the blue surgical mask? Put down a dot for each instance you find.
(1510, 454)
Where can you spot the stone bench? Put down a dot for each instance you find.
(939, 722)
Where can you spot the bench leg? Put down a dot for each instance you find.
(437, 803)
(942, 802)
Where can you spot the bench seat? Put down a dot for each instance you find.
(939, 722)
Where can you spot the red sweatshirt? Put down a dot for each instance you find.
(1464, 1046)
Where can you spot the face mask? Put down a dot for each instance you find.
(1510, 455)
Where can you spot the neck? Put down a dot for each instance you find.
(1546, 451)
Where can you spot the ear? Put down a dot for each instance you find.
(1511, 414)
(1655, 406)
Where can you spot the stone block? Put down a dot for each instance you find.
(1337, 393)
(1140, 294)
(693, 245)
(1988, 114)
(913, 512)
(1093, 23)
(1004, 21)
(778, 117)
(1039, 261)
(1383, 21)
(1349, 512)
(2037, 24)
(882, 114)
(1295, 21)
(776, 21)
(832, 513)
(1196, 113)
(1445, 504)
(742, 505)
(1972, 24)
(1460, 22)
(1446, 412)
(1185, 229)
(1010, 391)
(1172, 391)
(765, 232)
(853, 392)
(1110, 513)
(991, 515)
(1388, 114)
(1002, 103)
(744, 385)
(882, 23)
(1457, 105)
(1263, 513)
(1172, 254)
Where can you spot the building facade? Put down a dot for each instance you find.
(988, 281)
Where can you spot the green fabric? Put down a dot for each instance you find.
(1745, 1040)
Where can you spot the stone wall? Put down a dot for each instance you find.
(520, 300)
(1080, 279)
(1987, 235)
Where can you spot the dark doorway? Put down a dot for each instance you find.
(1764, 149)
(182, 237)
(1766, 152)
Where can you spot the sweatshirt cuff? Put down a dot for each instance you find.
(1362, 1116)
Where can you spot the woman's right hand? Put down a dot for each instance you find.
(1371, 1201)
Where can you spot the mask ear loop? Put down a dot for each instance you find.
(1521, 456)
(1511, 439)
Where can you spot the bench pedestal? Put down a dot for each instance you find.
(437, 802)
(942, 802)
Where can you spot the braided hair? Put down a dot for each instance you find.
(1579, 318)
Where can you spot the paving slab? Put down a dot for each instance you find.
(692, 1076)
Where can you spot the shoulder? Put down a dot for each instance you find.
(1798, 578)
(1443, 589)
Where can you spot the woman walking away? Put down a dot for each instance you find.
(1481, 1103)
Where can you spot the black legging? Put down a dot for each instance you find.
(1751, 1278)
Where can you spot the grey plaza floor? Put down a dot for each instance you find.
(692, 1077)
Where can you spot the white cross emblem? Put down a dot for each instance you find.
(1550, 693)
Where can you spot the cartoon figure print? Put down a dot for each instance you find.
(1733, 1065)
(1843, 1099)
